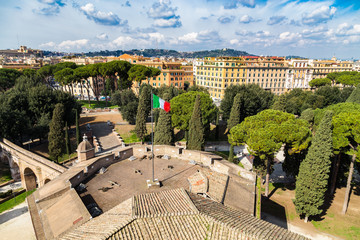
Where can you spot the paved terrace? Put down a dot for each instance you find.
(131, 177)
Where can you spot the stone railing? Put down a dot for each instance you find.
(9, 146)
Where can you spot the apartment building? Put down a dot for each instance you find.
(267, 72)
(299, 74)
(216, 74)
(172, 73)
(323, 67)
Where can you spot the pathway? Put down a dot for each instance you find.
(16, 223)
(103, 133)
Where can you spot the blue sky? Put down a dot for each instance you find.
(309, 28)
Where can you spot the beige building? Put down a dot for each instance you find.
(172, 73)
(216, 74)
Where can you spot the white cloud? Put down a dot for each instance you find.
(47, 45)
(319, 15)
(247, 19)
(206, 36)
(102, 36)
(164, 15)
(166, 23)
(102, 18)
(75, 44)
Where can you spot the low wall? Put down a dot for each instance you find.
(92, 168)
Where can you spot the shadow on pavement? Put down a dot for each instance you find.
(273, 213)
(4, 217)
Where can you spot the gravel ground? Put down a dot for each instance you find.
(16, 224)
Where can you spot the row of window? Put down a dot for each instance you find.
(226, 85)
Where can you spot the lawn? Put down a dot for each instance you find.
(5, 174)
(13, 202)
(332, 222)
(96, 104)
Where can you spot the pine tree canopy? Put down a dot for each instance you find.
(355, 95)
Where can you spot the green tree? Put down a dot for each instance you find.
(138, 73)
(235, 112)
(67, 140)
(254, 99)
(355, 95)
(129, 112)
(231, 153)
(7, 78)
(346, 137)
(280, 103)
(142, 114)
(196, 128)
(182, 107)
(266, 132)
(318, 82)
(78, 135)
(46, 73)
(56, 134)
(312, 180)
(164, 133)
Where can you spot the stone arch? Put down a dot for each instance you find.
(30, 179)
(46, 181)
(15, 170)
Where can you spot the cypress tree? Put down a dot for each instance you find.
(164, 134)
(142, 114)
(196, 128)
(217, 128)
(355, 95)
(231, 153)
(56, 134)
(235, 112)
(67, 140)
(312, 181)
(78, 139)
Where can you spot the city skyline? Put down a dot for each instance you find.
(314, 29)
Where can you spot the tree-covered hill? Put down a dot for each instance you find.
(171, 53)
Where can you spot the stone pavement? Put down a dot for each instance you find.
(16, 223)
(103, 133)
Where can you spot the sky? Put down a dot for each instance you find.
(307, 28)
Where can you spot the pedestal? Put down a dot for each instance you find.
(153, 184)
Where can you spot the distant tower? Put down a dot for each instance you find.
(85, 150)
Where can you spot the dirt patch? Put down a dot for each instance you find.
(333, 222)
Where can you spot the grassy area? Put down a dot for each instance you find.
(223, 154)
(5, 174)
(96, 104)
(258, 198)
(331, 226)
(130, 137)
(13, 202)
(65, 157)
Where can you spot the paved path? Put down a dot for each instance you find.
(8, 187)
(103, 133)
(16, 223)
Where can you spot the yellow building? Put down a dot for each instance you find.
(323, 67)
(172, 73)
(267, 72)
(216, 74)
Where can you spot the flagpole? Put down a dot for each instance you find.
(152, 136)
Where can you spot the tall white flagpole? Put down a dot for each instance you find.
(152, 136)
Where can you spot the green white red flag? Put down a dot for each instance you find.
(160, 103)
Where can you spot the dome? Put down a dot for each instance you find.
(85, 145)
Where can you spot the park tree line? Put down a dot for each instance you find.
(320, 141)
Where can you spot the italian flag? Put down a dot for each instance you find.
(160, 103)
